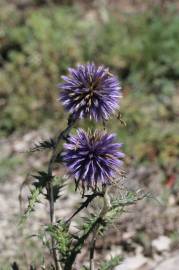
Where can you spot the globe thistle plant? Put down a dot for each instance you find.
(93, 158)
(90, 91)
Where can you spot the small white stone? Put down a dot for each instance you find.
(74, 227)
(115, 251)
(128, 235)
(29, 136)
(172, 200)
(162, 243)
(132, 263)
(20, 146)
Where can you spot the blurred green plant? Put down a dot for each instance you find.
(114, 261)
(7, 166)
(37, 45)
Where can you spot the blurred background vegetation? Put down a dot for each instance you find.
(139, 42)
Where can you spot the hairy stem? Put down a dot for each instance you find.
(77, 248)
(62, 135)
(93, 229)
(104, 210)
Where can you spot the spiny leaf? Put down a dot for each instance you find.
(79, 244)
(40, 182)
(109, 219)
(41, 179)
(32, 200)
(56, 192)
(46, 144)
(129, 199)
(87, 222)
(62, 237)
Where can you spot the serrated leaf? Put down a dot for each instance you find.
(46, 144)
(63, 238)
(88, 221)
(32, 201)
(129, 199)
(56, 192)
(41, 179)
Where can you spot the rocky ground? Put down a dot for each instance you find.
(146, 236)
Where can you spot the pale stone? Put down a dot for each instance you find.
(170, 264)
(128, 235)
(132, 263)
(162, 243)
(172, 200)
(74, 227)
(115, 251)
(20, 146)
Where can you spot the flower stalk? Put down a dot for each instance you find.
(93, 160)
(62, 135)
(104, 210)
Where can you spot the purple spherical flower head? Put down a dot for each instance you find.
(92, 158)
(90, 91)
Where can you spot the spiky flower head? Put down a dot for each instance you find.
(92, 158)
(90, 91)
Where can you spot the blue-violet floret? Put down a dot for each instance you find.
(92, 158)
(90, 91)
